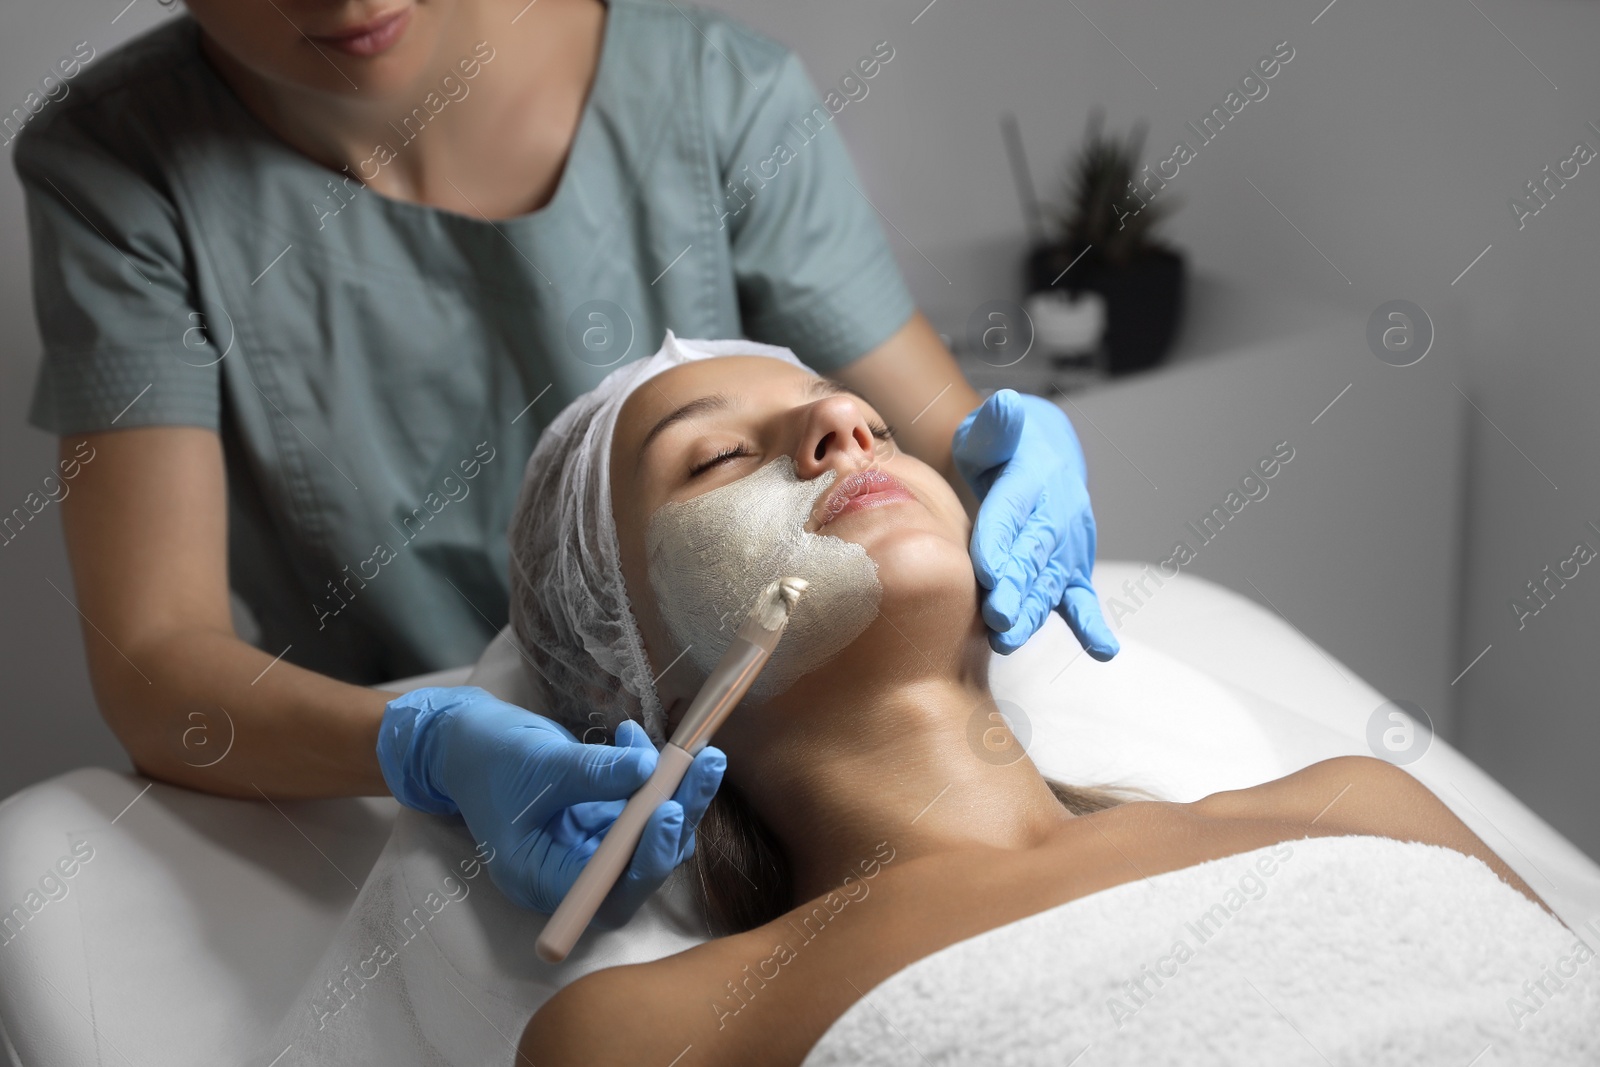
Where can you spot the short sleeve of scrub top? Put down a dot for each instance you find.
(378, 371)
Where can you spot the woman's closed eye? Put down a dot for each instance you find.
(880, 431)
(722, 456)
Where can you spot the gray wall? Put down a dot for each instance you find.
(1392, 140)
(50, 721)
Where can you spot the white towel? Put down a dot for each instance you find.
(1332, 950)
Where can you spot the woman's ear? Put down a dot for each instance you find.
(676, 688)
(673, 712)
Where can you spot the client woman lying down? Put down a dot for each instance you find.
(684, 484)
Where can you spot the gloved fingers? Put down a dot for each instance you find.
(699, 785)
(579, 823)
(655, 857)
(1040, 601)
(523, 872)
(605, 772)
(988, 437)
(657, 853)
(1046, 416)
(1004, 511)
(632, 735)
(1036, 545)
(548, 861)
(1084, 564)
(1081, 607)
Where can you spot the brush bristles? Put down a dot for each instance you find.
(777, 601)
(790, 589)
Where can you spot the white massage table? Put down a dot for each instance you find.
(190, 932)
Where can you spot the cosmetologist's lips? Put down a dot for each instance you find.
(869, 488)
(368, 38)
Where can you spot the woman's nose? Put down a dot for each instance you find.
(836, 436)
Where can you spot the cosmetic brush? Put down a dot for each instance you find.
(727, 684)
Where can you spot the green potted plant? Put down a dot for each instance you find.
(1105, 232)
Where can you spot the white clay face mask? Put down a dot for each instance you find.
(709, 559)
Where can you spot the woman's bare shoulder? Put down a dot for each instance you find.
(1343, 795)
(1355, 795)
(1346, 791)
(626, 1013)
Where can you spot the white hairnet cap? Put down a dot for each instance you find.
(569, 604)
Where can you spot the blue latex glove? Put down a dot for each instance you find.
(1033, 542)
(540, 798)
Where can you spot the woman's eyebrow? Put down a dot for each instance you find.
(698, 406)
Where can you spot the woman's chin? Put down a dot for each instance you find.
(917, 569)
(925, 580)
(912, 632)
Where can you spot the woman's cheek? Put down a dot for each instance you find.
(710, 558)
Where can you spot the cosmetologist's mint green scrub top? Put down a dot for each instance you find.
(379, 371)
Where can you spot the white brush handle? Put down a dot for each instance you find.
(576, 910)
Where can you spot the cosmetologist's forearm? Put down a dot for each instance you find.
(207, 711)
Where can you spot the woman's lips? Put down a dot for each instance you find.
(369, 38)
(864, 489)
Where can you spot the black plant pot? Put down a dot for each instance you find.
(1143, 297)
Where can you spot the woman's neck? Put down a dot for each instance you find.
(495, 149)
(921, 761)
